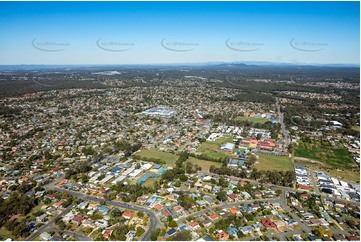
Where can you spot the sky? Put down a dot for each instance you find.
(179, 32)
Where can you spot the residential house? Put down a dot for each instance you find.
(234, 211)
(171, 232)
(158, 206)
(130, 235)
(257, 194)
(207, 222)
(42, 218)
(77, 219)
(105, 210)
(232, 231)
(107, 233)
(194, 225)
(213, 216)
(127, 214)
(101, 223)
(245, 229)
(280, 225)
(178, 209)
(267, 223)
(221, 235)
(45, 236)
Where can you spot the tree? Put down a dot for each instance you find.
(139, 231)
(212, 168)
(154, 235)
(221, 195)
(183, 177)
(116, 212)
(172, 224)
(140, 214)
(61, 225)
(182, 236)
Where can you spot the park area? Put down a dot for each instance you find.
(270, 162)
(168, 158)
(255, 120)
(337, 157)
(204, 164)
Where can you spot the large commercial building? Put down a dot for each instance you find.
(160, 111)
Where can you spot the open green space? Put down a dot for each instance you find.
(255, 120)
(270, 162)
(204, 164)
(333, 156)
(168, 158)
(212, 148)
(150, 182)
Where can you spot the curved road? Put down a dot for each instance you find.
(154, 222)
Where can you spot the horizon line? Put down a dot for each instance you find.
(191, 63)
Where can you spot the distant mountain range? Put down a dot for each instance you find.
(150, 66)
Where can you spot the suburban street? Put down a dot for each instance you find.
(226, 205)
(49, 223)
(154, 222)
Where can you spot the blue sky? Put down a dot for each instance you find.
(179, 32)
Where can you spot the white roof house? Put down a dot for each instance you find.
(135, 173)
(118, 179)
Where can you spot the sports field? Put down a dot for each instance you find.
(204, 164)
(254, 120)
(269, 162)
(169, 158)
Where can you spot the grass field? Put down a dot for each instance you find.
(353, 176)
(333, 156)
(169, 158)
(204, 164)
(150, 182)
(269, 162)
(252, 119)
(212, 148)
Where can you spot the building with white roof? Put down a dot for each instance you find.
(118, 179)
